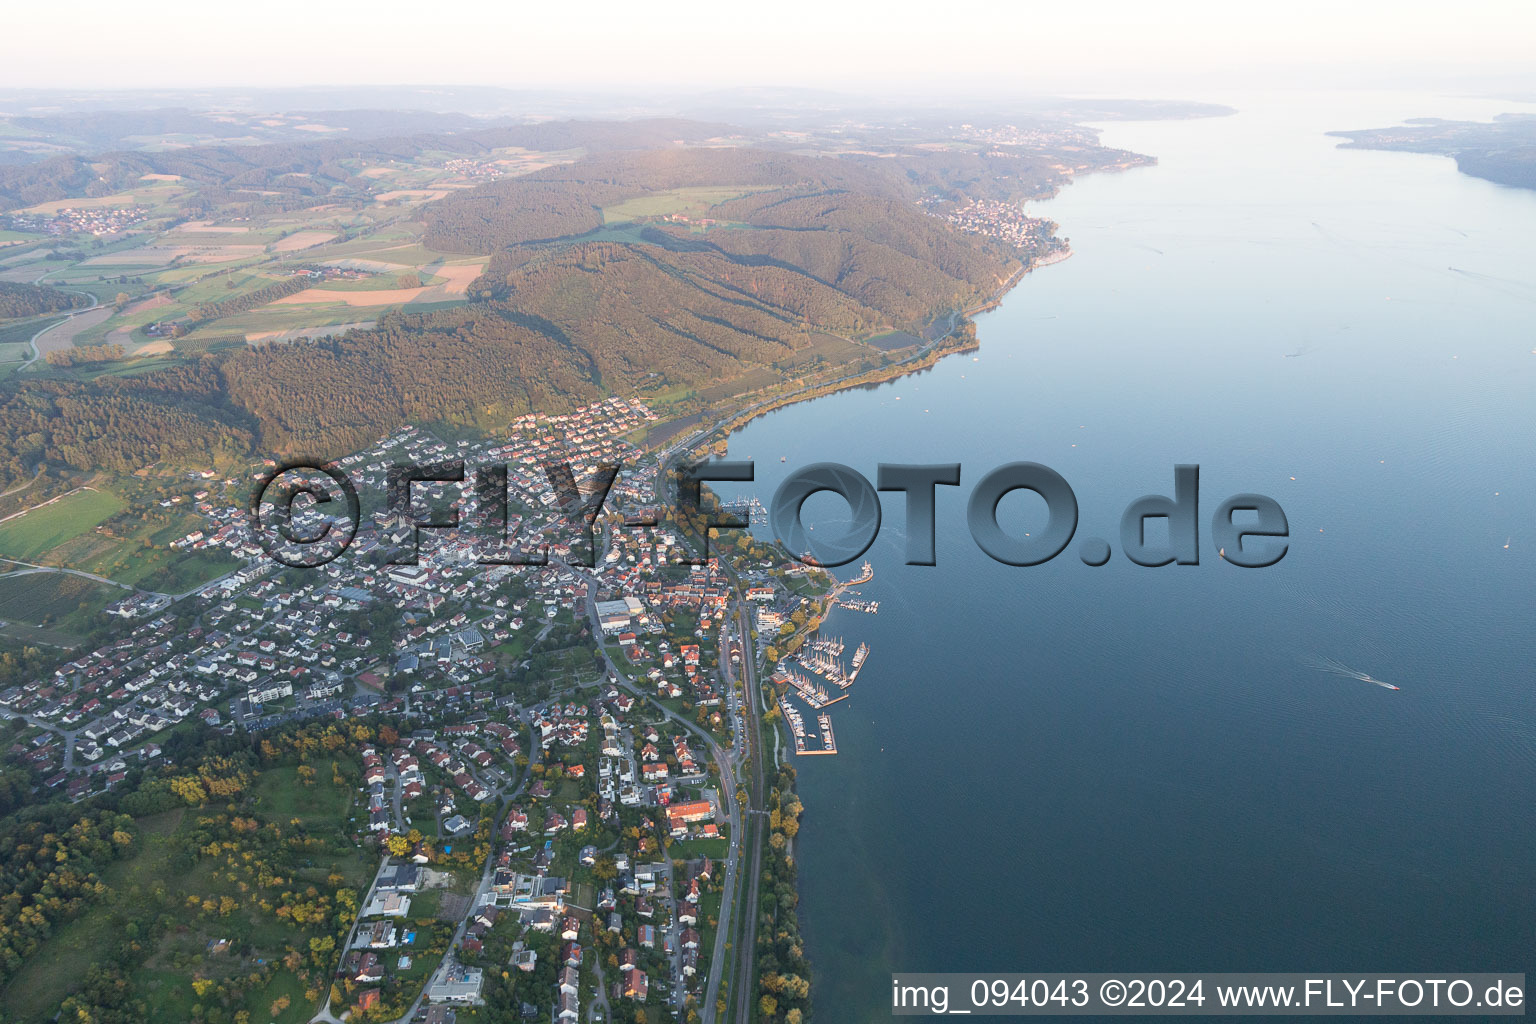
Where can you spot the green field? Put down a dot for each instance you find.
(36, 532)
(280, 796)
(19, 332)
(691, 202)
(715, 849)
(284, 318)
(133, 551)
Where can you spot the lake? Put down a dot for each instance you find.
(1065, 768)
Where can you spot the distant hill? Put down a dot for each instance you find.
(683, 261)
(312, 168)
(1502, 150)
(563, 317)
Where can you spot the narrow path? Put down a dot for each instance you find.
(753, 819)
(32, 569)
(37, 349)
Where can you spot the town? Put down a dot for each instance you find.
(554, 783)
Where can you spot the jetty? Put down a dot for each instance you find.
(828, 741)
(859, 657)
(866, 573)
(859, 605)
(810, 690)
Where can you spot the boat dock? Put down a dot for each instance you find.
(829, 645)
(809, 690)
(798, 733)
(858, 605)
(859, 657)
(828, 741)
(866, 574)
(821, 658)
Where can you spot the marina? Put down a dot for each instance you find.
(826, 665)
(812, 672)
(832, 645)
(809, 690)
(797, 730)
(750, 509)
(857, 604)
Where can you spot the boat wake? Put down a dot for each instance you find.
(1338, 668)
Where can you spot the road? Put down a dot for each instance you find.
(698, 438)
(726, 765)
(33, 568)
(502, 797)
(102, 312)
(324, 1014)
(601, 1002)
(746, 945)
(747, 823)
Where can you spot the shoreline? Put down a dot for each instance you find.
(926, 355)
(959, 337)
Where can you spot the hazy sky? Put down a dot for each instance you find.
(1066, 44)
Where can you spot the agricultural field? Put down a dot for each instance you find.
(164, 269)
(60, 604)
(689, 202)
(135, 552)
(152, 194)
(34, 533)
(96, 530)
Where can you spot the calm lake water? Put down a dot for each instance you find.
(1068, 768)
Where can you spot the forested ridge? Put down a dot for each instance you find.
(793, 249)
(119, 423)
(566, 200)
(17, 300)
(1502, 150)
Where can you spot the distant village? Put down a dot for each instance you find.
(99, 221)
(1008, 223)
